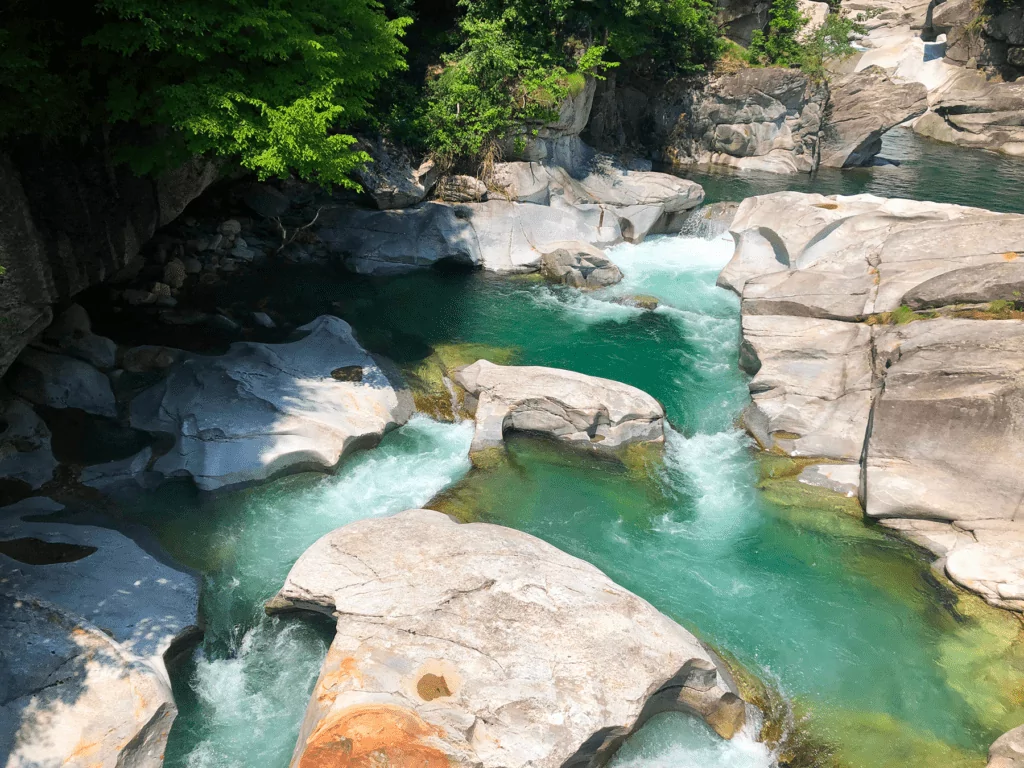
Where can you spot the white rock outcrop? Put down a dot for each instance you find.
(74, 698)
(263, 409)
(479, 645)
(930, 412)
(87, 617)
(586, 411)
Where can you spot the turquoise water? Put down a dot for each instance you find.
(879, 662)
(928, 170)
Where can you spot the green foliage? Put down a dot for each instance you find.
(780, 45)
(830, 42)
(516, 61)
(268, 83)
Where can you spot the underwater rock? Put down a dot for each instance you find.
(476, 644)
(583, 410)
(260, 410)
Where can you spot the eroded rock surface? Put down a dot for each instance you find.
(579, 409)
(100, 574)
(73, 697)
(263, 409)
(478, 645)
(932, 411)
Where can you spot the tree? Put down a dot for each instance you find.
(830, 42)
(268, 83)
(780, 45)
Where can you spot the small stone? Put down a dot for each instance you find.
(348, 373)
(215, 242)
(208, 278)
(230, 228)
(263, 320)
(147, 359)
(161, 289)
(193, 266)
(166, 301)
(175, 273)
(228, 265)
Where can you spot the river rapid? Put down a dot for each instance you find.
(872, 660)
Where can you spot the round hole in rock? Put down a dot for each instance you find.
(432, 687)
(38, 552)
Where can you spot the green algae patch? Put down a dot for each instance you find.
(430, 379)
(878, 740)
(982, 656)
(643, 461)
(802, 504)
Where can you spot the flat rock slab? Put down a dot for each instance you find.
(74, 698)
(573, 407)
(845, 258)
(263, 409)
(98, 573)
(478, 645)
(947, 439)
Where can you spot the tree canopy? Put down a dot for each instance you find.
(268, 83)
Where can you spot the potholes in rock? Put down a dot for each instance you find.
(432, 687)
(38, 552)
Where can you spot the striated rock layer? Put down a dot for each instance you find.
(478, 645)
(932, 411)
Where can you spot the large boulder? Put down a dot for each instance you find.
(846, 258)
(143, 603)
(478, 645)
(582, 410)
(72, 696)
(974, 111)
(862, 107)
(389, 177)
(263, 409)
(58, 381)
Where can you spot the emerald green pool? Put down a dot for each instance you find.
(879, 659)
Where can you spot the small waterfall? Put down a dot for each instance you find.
(709, 222)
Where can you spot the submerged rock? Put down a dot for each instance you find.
(573, 407)
(74, 697)
(480, 645)
(263, 409)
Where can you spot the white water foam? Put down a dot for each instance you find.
(250, 703)
(680, 741)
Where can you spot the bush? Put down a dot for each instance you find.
(780, 45)
(517, 60)
(830, 41)
(270, 85)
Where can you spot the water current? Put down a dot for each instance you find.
(877, 662)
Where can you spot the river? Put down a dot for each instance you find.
(881, 664)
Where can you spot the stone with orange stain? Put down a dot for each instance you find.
(372, 736)
(478, 645)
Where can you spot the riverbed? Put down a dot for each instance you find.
(875, 659)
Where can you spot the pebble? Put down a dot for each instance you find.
(230, 228)
(263, 320)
